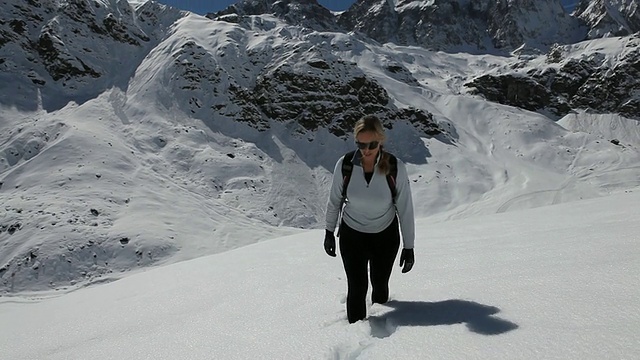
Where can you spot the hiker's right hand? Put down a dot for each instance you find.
(330, 243)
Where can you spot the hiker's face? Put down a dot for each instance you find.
(365, 141)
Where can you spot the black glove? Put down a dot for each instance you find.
(407, 259)
(330, 243)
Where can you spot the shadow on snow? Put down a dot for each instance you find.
(479, 318)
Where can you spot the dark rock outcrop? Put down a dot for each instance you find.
(579, 83)
(606, 18)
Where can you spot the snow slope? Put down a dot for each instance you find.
(555, 282)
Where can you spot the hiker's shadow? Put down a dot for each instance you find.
(479, 318)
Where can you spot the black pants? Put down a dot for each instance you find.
(360, 251)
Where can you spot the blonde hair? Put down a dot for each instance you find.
(371, 123)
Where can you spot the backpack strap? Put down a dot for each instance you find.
(347, 168)
(391, 177)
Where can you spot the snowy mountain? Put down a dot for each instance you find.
(306, 13)
(599, 76)
(610, 17)
(74, 50)
(135, 134)
(453, 25)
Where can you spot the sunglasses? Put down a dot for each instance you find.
(370, 145)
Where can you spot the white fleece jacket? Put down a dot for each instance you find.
(369, 207)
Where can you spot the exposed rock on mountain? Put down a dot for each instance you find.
(437, 25)
(584, 81)
(455, 25)
(537, 23)
(306, 13)
(609, 17)
(71, 50)
(338, 106)
(294, 83)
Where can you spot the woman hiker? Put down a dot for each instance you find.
(371, 191)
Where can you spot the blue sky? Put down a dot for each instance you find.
(205, 6)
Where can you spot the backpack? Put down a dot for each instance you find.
(347, 168)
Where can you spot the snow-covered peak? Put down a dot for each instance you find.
(306, 13)
(536, 23)
(74, 50)
(470, 25)
(610, 17)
